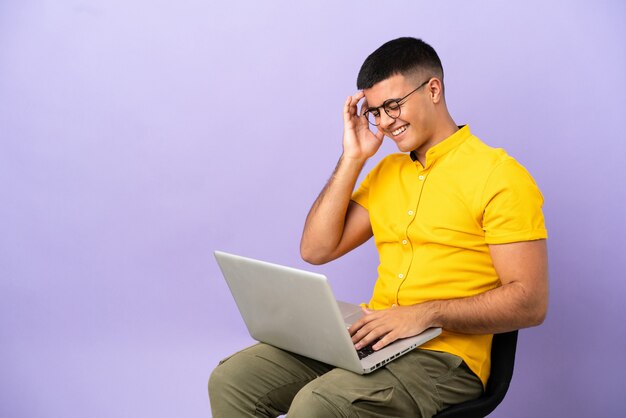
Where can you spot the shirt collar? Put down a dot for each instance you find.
(444, 146)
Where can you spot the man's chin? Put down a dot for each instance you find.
(403, 147)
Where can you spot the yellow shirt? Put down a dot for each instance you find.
(432, 226)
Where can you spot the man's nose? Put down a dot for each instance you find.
(386, 120)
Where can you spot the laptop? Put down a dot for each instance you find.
(295, 310)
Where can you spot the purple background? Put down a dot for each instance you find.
(136, 137)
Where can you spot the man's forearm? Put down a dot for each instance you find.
(503, 309)
(325, 222)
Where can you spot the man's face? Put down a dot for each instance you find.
(413, 128)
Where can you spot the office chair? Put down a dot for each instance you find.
(502, 362)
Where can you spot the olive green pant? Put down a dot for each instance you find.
(264, 381)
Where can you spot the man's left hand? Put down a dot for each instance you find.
(388, 325)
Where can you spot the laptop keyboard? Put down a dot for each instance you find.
(365, 351)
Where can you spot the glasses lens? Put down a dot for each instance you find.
(372, 119)
(392, 108)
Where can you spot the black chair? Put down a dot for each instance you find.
(502, 362)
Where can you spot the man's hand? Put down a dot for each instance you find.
(335, 224)
(389, 325)
(359, 142)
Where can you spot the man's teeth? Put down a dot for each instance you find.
(399, 130)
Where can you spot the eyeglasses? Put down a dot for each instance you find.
(391, 107)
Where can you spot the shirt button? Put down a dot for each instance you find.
(405, 242)
(394, 305)
(400, 275)
(421, 177)
(410, 213)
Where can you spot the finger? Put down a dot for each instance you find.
(361, 330)
(369, 334)
(357, 326)
(366, 310)
(372, 337)
(384, 341)
(355, 98)
(364, 107)
(349, 110)
(363, 321)
(358, 95)
(346, 109)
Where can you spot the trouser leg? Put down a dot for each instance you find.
(260, 381)
(419, 384)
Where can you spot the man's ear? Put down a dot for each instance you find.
(435, 90)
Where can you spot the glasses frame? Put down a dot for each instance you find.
(387, 103)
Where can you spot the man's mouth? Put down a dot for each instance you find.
(398, 131)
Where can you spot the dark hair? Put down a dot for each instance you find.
(400, 56)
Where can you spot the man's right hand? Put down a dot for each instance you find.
(359, 142)
(335, 224)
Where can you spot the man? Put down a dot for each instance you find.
(461, 238)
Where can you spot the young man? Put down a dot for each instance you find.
(461, 239)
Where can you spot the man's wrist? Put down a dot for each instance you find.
(433, 313)
(353, 160)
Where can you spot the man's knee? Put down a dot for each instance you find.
(220, 382)
(231, 373)
(217, 380)
(229, 379)
(230, 393)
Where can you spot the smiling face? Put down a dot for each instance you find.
(419, 125)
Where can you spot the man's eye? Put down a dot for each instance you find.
(375, 112)
(394, 105)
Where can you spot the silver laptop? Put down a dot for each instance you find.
(295, 310)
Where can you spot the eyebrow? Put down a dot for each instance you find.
(396, 99)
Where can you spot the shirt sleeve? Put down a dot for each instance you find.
(512, 205)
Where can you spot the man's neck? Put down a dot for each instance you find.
(447, 129)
